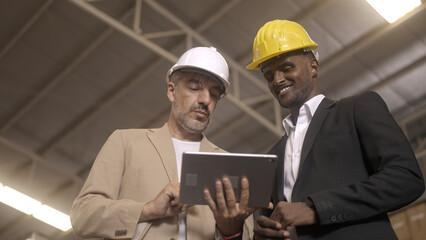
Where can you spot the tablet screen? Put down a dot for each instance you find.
(202, 169)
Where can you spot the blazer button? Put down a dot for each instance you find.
(340, 217)
(333, 219)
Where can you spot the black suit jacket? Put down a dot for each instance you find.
(356, 165)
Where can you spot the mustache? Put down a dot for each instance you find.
(200, 107)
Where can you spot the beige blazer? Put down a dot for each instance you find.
(132, 167)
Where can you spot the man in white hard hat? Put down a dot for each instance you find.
(132, 191)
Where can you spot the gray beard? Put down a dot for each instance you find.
(183, 121)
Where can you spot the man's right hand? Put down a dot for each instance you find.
(165, 204)
(266, 228)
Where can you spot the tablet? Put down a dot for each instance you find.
(202, 169)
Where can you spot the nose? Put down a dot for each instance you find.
(278, 76)
(204, 96)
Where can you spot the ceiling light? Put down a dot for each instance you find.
(18, 200)
(53, 217)
(392, 10)
(30, 206)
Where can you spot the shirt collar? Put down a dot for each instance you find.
(308, 109)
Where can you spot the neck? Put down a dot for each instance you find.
(295, 110)
(294, 117)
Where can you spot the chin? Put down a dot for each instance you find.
(197, 127)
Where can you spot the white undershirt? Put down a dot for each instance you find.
(180, 147)
(296, 136)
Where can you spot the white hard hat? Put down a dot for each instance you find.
(204, 58)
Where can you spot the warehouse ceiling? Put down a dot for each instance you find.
(73, 71)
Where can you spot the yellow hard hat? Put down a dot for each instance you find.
(278, 37)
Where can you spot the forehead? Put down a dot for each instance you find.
(200, 77)
(282, 60)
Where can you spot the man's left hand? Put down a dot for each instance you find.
(293, 214)
(229, 214)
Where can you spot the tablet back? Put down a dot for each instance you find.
(201, 169)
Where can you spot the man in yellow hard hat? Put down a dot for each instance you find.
(343, 164)
(132, 191)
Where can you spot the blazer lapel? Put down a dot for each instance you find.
(207, 146)
(162, 142)
(314, 127)
(278, 150)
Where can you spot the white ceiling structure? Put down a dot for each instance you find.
(72, 71)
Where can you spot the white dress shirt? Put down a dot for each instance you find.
(296, 136)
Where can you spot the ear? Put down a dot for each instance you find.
(171, 90)
(314, 68)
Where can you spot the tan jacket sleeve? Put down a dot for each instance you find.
(97, 212)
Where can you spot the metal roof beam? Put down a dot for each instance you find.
(38, 158)
(171, 57)
(330, 63)
(92, 113)
(232, 63)
(59, 77)
(25, 28)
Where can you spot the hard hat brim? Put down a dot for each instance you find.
(187, 68)
(256, 64)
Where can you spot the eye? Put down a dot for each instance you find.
(192, 85)
(269, 77)
(286, 68)
(215, 93)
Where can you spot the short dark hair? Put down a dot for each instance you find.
(174, 78)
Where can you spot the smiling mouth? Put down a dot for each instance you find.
(283, 90)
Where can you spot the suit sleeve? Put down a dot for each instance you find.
(97, 211)
(394, 177)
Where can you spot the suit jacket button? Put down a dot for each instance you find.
(340, 217)
(333, 218)
(119, 233)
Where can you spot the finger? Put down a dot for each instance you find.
(270, 206)
(244, 194)
(229, 192)
(220, 198)
(269, 233)
(266, 222)
(174, 203)
(251, 210)
(186, 206)
(172, 190)
(210, 201)
(177, 208)
(278, 213)
(173, 187)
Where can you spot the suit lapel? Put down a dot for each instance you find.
(314, 127)
(207, 146)
(278, 150)
(162, 142)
